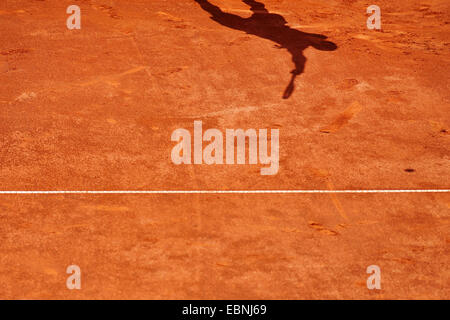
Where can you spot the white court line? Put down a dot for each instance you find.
(228, 191)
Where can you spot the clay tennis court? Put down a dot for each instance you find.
(94, 109)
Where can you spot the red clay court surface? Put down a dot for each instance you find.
(94, 109)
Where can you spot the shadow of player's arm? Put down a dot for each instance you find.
(224, 18)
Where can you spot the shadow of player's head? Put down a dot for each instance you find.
(318, 42)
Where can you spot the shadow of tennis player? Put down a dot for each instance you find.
(273, 27)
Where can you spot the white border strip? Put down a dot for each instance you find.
(227, 191)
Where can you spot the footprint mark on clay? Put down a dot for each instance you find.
(108, 10)
(343, 118)
(320, 228)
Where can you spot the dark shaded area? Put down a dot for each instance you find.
(273, 27)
